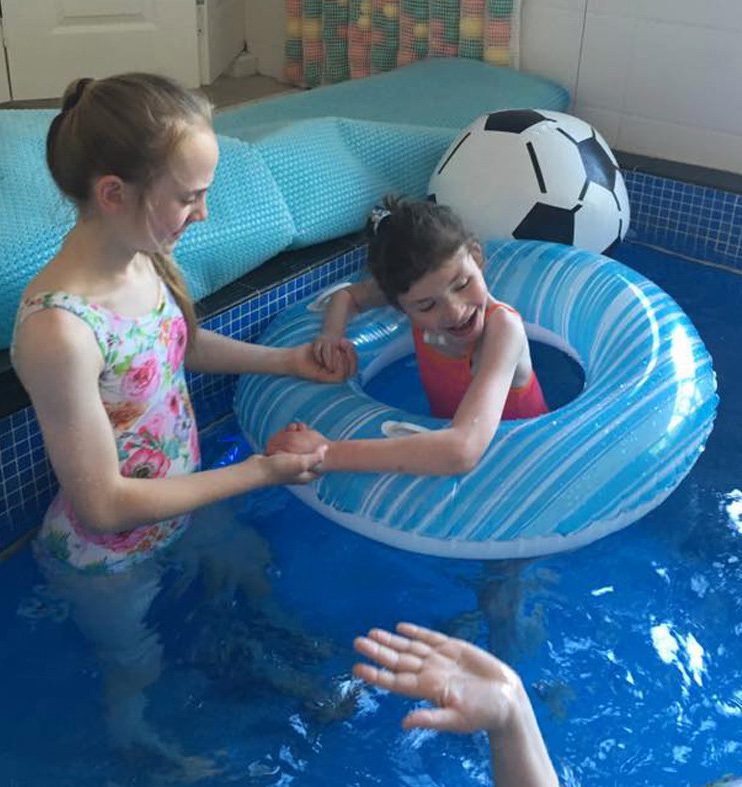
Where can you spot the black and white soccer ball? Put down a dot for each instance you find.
(538, 174)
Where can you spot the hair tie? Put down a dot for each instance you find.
(73, 99)
(378, 214)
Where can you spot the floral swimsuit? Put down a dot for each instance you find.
(144, 392)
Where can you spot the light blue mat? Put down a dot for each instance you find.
(290, 175)
(332, 171)
(440, 92)
(33, 215)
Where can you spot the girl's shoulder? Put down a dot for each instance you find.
(54, 301)
(503, 323)
(53, 327)
(51, 288)
(495, 306)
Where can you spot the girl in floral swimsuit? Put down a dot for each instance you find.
(144, 396)
(102, 337)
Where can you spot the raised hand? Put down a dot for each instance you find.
(472, 689)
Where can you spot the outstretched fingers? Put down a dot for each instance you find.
(421, 634)
(406, 683)
(403, 665)
(386, 655)
(395, 642)
(464, 655)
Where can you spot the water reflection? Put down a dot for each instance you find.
(671, 647)
(733, 506)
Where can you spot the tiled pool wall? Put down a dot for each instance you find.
(692, 220)
(696, 221)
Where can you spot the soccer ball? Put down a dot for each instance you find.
(532, 173)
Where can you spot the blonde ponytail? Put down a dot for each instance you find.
(168, 271)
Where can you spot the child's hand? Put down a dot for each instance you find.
(290, 468)
(472, 689)
(342, 362)
(296, 438)
(336, 355)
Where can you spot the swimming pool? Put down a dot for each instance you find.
(630, 647)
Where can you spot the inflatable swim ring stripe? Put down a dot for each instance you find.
(545, 484)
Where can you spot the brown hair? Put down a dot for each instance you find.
(409, 238)
(126, 125)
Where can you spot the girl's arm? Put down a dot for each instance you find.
(458, 448)
(59, 362)
(218, 354)
(451, 451)
(346, 303)
(331, 348)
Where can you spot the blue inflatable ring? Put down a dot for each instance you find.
(545, 484)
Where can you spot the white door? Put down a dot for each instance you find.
(51, 42)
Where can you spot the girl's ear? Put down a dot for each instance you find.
(110, 193)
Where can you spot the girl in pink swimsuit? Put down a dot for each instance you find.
(472, 350)
(446, 378)
(102, 339)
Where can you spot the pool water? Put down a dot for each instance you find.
(630, 647)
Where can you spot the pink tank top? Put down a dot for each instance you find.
(446, 380)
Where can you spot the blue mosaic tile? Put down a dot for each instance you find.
(697, 221)
(26, 480)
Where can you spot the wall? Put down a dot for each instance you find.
(223, 37)
(656, 77)
(551, 39)
(265, 31)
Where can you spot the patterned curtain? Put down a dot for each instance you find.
(332, 40)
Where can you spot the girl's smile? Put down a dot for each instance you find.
(464, 329)
(450, 300)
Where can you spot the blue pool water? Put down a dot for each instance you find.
(630, 647)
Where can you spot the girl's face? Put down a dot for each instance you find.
(450, 300)
(178, 197)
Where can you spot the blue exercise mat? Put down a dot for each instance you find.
(437, 92)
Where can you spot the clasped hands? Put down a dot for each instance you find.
(327, 359)
(296, 438)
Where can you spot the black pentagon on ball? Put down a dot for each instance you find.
(432, 198)
(598, 165)
(548, 222)
(514, 121)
